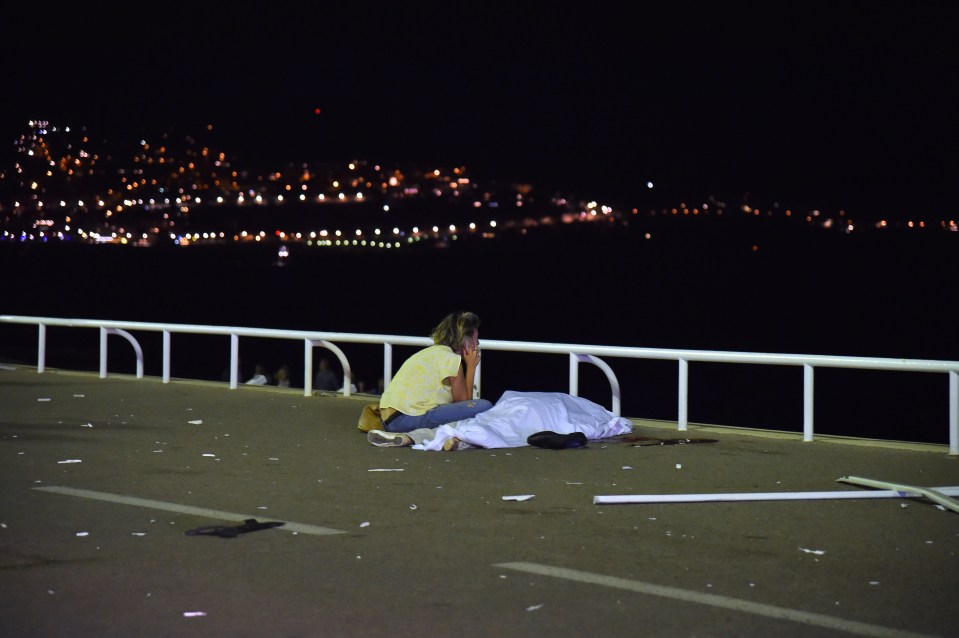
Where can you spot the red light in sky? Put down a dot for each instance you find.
(316, 111)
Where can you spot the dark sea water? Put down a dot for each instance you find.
(708, 287)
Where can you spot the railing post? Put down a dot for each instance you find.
(166, 356)
(103, 352)
(615, 405)
(478, 381)
(573, 374)
(137, 350)
(42, 348)
(307, 367)
(683, 408)
(234, 360)
(387, 364)
(341, 357)
(807, 403)
(954, 412)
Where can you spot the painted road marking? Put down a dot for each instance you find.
(685, 595)
(183, 509)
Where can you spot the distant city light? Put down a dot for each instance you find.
(148, 202)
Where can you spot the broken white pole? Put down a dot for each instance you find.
(937, 495)
(760, 496)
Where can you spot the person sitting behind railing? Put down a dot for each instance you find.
(260, 377)
(283, 376)
(325, 379)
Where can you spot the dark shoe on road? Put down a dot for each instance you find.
(554, 441)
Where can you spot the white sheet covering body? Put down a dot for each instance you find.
(518, 414)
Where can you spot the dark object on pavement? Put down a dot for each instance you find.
(554, 441)
(648, 440)
(226, 531)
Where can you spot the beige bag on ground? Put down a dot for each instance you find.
(370, 418)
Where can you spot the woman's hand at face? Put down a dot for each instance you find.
(471, 357)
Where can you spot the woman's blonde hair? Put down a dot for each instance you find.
(455, 329)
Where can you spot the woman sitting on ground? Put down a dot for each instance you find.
(434, 386)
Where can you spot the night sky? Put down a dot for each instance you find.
(836, 104)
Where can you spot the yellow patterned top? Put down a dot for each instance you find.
(421, 382)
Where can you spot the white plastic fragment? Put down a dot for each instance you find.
(754, 496)
(83, 533)
(208, 454)
(365, 524)
(627, 467)
(534, 607)
(79, 396)
(412, 506)
(86, 425)
(43, 399)
(679, 466)
(193, 614)
(519, 497)
(138, 533)
(70, 461)
(386, 469)
(196, 422)
(818, 552)
(935, 495)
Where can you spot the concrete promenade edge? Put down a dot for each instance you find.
(101, 479)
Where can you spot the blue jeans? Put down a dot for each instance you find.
(440, 415)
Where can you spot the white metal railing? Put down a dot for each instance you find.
(577, 353)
